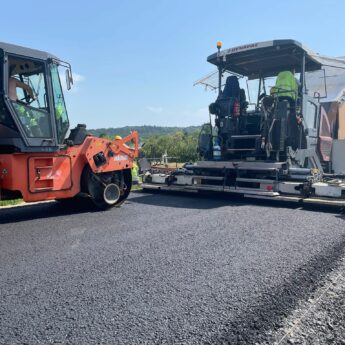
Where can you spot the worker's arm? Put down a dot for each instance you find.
(25, 87)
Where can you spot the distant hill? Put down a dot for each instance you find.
(144, 131)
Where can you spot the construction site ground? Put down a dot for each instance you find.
(172, 269)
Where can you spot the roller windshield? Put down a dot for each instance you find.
(61, 117)
(28, 94)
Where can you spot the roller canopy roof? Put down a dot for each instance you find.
(28, 52)
(268, 58)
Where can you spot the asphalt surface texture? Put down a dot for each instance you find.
(321, 318)
(161, 269)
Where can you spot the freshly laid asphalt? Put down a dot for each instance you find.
(161, 269)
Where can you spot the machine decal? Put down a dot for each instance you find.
(121, 158)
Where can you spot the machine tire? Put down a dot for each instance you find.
(103, 189)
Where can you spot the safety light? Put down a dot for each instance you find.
(219, 44)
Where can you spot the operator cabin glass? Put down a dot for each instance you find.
(61, 117)
(28, 93)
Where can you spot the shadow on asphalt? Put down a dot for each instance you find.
(341, 216)
(213, 200)
(161, 199)
(43, 210)
(182, 200)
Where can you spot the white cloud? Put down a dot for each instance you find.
(77, 79)
(155, 110)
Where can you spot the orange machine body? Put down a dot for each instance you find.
(47, 176)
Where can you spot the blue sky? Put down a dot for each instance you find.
(135, 61)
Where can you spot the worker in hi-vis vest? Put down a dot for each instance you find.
(135, 168)
(286, 85)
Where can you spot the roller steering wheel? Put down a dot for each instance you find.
(27, 100)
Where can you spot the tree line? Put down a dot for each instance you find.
(181, 145)
(144, 131)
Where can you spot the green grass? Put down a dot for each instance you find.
(19, 201)
(10, 202)
(136, 187)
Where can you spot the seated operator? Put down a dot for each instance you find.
(286, 86)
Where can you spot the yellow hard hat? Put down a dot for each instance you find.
(117, 137)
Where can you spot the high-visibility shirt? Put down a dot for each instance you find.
(59, 110)
(286, 85)
(135, 169)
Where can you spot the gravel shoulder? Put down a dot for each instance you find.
(320, 319)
